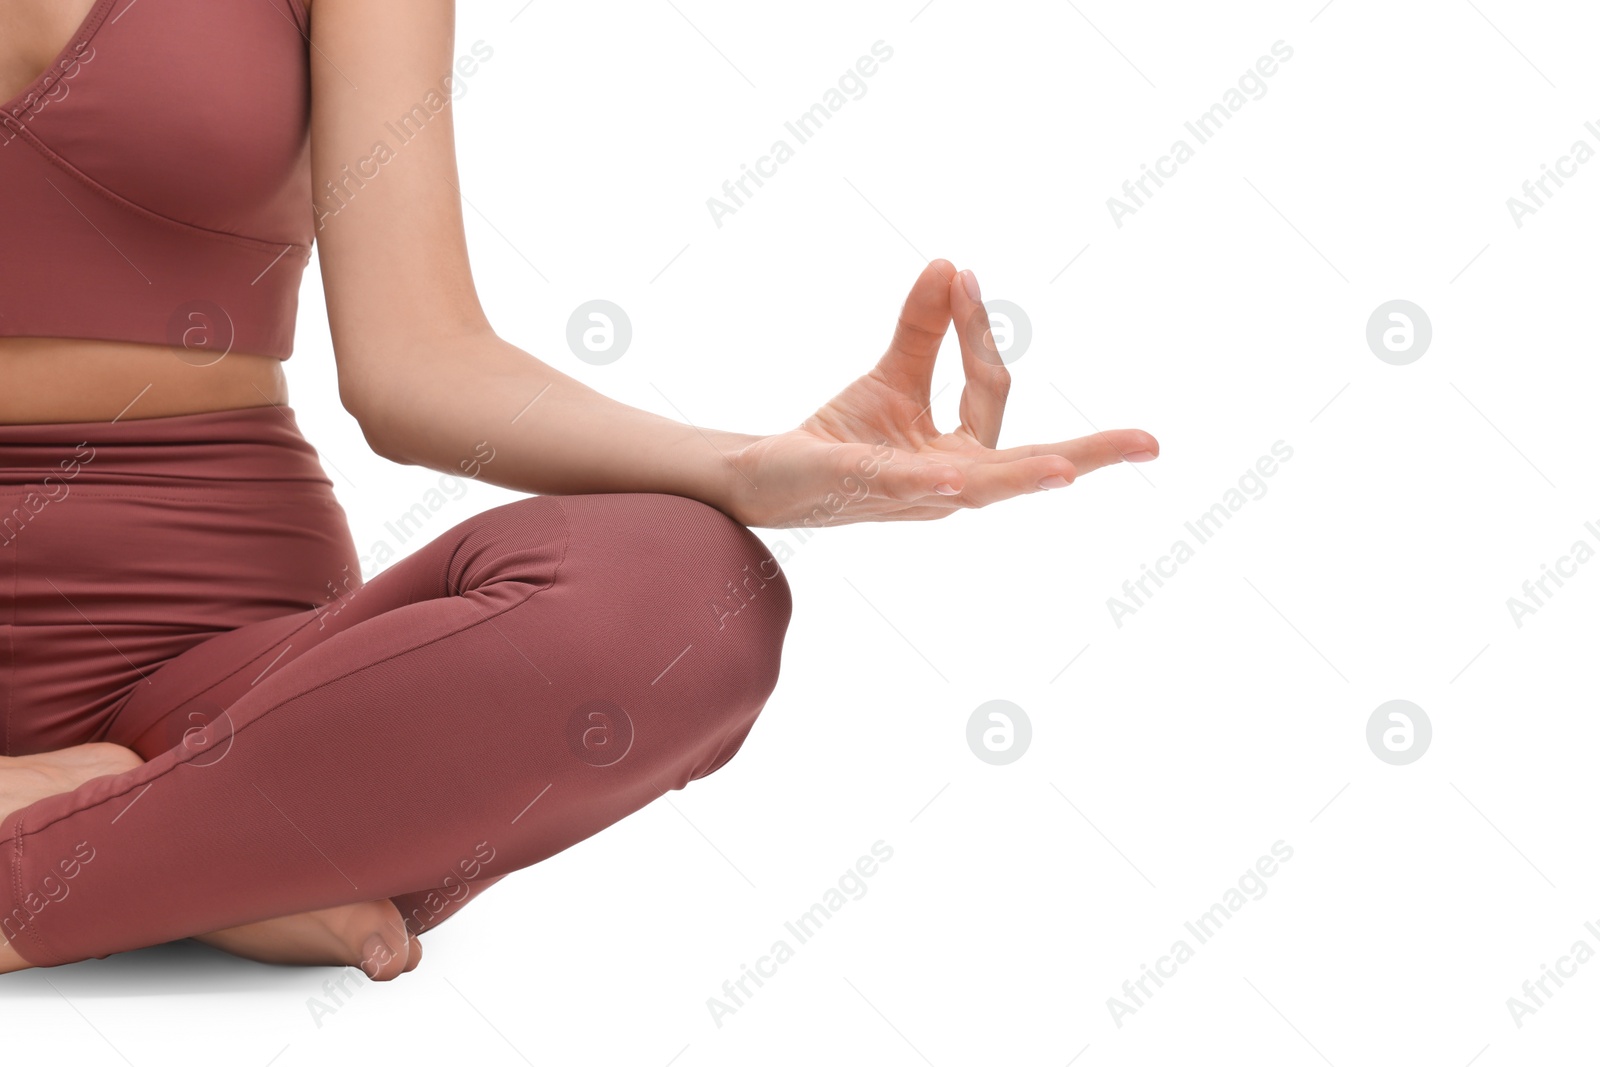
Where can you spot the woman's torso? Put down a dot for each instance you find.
(70, 380)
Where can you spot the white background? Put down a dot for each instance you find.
(1226, 714)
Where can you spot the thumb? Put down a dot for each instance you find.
(924, 318)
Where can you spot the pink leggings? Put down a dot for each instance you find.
(188, 587)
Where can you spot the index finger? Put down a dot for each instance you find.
(983, 400)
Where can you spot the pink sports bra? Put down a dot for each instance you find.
(155, 179)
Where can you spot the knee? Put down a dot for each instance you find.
(745, 585)
(699, 572)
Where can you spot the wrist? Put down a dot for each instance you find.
(723, 481)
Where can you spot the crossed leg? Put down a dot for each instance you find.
(529, 677)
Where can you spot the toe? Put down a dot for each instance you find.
(415, 955)
(379, 933)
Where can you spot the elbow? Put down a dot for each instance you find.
(360, 405)
(379, 441)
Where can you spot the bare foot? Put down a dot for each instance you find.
(330, 936)
(369, 935)
(25, 779)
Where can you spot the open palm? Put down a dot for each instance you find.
(873, 454)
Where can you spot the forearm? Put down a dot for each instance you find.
(482, 407)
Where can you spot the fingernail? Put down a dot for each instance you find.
(1055, 481)
(970, 280)
(946, 489)
(1138, 457)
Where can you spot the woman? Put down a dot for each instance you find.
(211, 728)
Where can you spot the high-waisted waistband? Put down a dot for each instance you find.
(256, 444)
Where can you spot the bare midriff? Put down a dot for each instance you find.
(69, 380)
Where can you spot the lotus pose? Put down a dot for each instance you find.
(210, 726)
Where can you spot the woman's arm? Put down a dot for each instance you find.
(430, 382)
(419, 366)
